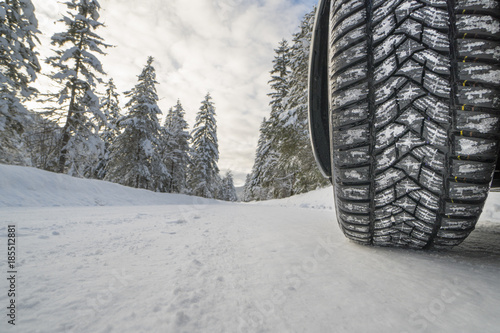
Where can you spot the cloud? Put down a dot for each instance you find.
(224, 47)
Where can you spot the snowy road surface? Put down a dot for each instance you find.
(114, 259)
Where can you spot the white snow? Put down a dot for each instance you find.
(116, 259)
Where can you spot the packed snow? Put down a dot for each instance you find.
(94, 256)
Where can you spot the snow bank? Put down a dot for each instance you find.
(319, 199)
(30, 187)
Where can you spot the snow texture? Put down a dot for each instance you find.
(116, 259)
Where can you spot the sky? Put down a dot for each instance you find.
(224, 47)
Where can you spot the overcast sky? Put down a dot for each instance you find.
(224, 47)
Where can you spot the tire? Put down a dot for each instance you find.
(414, 117)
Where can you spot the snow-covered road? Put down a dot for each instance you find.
(182, 264)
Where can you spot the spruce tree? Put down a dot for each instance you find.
(18, 68)
(247, 191)
(228, 190)
(134, 160)
(296, 158)
(76, 70)
(269, 180)
(178, 143)
(108, 127)
(204, 180)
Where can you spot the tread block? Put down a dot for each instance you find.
(389, 135)
(412, 119)
(349, 116)
(410, 27)
(349, 77)
(437, 84)
(384, 28)
(386, 158)
(477, 4)
(434, 61)
(478, 24)
(361, 220)
(385, 197)
(456, 224)
(409, 93)
(460, 191)
(387, 47)
(459, 209)
(434, 108)
(472, 170)
(350, 39)
(348, 24)
(385, 112)
(484, 73)
(478, 49)
(353, 136)
(350, 157)
(432, 16)
(479, 96)
(431, 180)
(354, 207)
(431, 157)
(406, 186)
(386, 69)
(384, 90)
(345, 9)
(348, 57)
(434, 134)
(353, 174)
(351, 96)
(436, 40)
(465, 146)
(388, 178)
(410, 165)
(480, 122)
(353, 192)
(408, 142)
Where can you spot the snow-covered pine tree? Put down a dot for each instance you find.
(178, 143)
(18, 68)
(134, 160)
(261, 172)
(247, 193)
(76, 70)
(42, 139)
(204, 179)
(268, 179)
(228, 192)
(108, 127)
(296, 157)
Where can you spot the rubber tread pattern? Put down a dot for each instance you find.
(415, 137)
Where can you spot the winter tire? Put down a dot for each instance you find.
(411, 93)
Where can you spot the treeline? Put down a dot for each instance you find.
(284, 163)
(83, 131)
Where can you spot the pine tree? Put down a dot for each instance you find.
(108, 127)
(134, 160)
(284, 163)
(204, 180)
(247, 191)
(228, 190)
(296, 157)
(42, 140)
(77, 69)
(268, 179)
(18, 68)
(178, 144)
